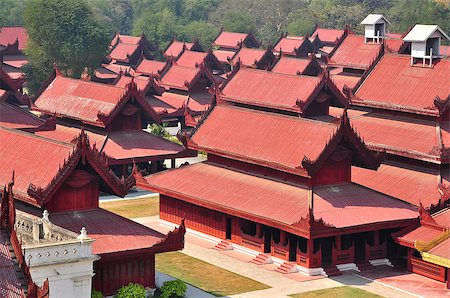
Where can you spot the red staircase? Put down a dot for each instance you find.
(262, 259)
(332, 271)
(287, 267)
(364, 266)
(223, 245)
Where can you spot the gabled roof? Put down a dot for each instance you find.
(353, 52)
(88, 102)
(295, 66)
(252, 57)
(151, 67)
(405, 88)
(276, 203)
(274, 90)
(233, 40)
(177, 47)
(191, 58)
(122, 51)
(9, 35)
(42, 165)
(372, 19)
(143, 83)
(182, 78)
(9, 83)
(402, 136)
(291, 45)
(413, 184)
(18, 118)
(256, 137)
(328, 35)
(421, 33)
(223, 55)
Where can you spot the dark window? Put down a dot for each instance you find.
(248, 227)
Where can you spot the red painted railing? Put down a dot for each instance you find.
(253, 242)
(433, 271)
(376, 251)
(279, 250)
(304, 260)
(344, 255)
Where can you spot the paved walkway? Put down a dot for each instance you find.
(281, 285)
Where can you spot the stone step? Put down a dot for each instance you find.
(262, 259)
(332, 271)
(223, 245)
(287, 267)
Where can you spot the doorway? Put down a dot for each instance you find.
(359, 241)
(327, 250)
(228, 229)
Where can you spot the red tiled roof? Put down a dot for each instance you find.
(223, 55)
(150, 67)
(176, 47)
(34, 159)
(342, 79)
(422, 233)
(414, 185)
(353, 52)
(394, 84)
(399, 135)
(67, 134)
(290, 65)
(394, 44)
(122, 50)
(18, 118)
(269, 89)
(112, 233)
(129, 39)
(11, 286)
(229, 39)
(172, 102)
(239, 193)
(79, 99)
(191, 58)
(248, 56)
(177, 76)
(328, 35)
(16, 61)
(141, 81)
(289, 44)
(9, 35)
(258, 136)
(130, 145)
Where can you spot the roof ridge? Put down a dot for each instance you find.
(34, 136)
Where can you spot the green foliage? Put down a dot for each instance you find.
(11, 12)
(238, 22)
(131, 291)
(159, 130)
(96, 294)
(173, 289)
(63, 32)
(300, 27)
(203, 31)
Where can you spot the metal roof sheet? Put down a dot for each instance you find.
(354, 52)
(122, 50)
(112, 233)
(9, 35)
(79, 99)
(16, 117)
(259, 136)
(442, 249)
(328, 35)
(442, 217)
(290, 65)
(229, 39)
(177, 76)
(150, 66)
(289, 44)
(422, 233)
(265, 88)
(249, 56)
(420, 33)
(191, 58)
(342, 206)
(395, 82)
(10, 285)
(372, 19)
(176, 47)
(223, 55)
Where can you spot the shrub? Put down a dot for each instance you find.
(173, 288)
(131, 291)
(96, 294)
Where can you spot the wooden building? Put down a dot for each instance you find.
(253, 58)
(287, 198)
(297, 66)
(176, 48)
(297, 46)
(226, 40)
(113, 115)
(67, 184)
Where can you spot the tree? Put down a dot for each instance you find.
(121, 14)
(201, 30)
(11, 12)
(238, 22)
(63, 32)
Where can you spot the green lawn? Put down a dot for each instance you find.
(339, 292)
(209, 278)
(133, 208)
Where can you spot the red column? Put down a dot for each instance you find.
(309, 252)
(408, 259)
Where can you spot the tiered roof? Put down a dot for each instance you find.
(234, 40)
(295, 66)
(253, 57)
(294, 46)
(396, 85)
(176, 48)
(42, 165)
(256, 137)
(88, 102)
(183, 78)
(151, 67)
(273, 90)
(124, 47)
(9, 35)
(329, 36)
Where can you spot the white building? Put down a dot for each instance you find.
(375, 28)
(64, 257)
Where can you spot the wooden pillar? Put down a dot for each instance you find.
(408, 259)
(376, 238)
(283, 237)
(153, 166)
(172, 163)
(259, 231)
(448, 277)
(309, 252)
(337, 242)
